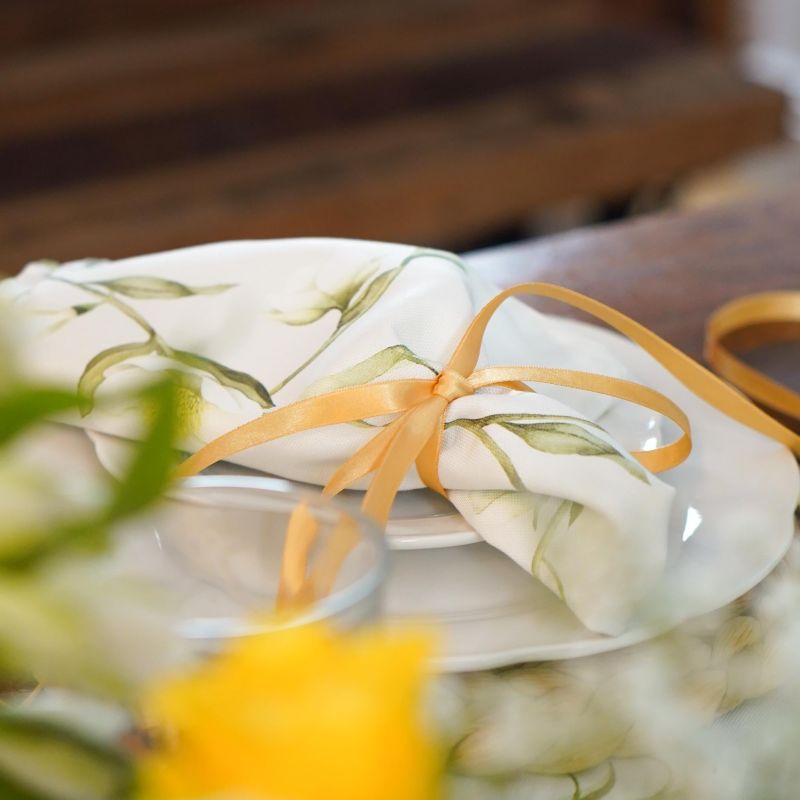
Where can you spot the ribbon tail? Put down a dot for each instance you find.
(364, 460)
(390, 454)
(757, 319)
(695, 377)
(413, 431)
(301, 534)
(343, 405)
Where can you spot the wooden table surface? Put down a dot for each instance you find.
(670, 271)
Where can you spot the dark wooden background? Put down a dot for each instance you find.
(133, 127)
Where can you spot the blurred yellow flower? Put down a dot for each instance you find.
(301, 714)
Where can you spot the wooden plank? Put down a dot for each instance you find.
(427, 179)
(670, 271)
(46, 161)
(36, 24)
(256, 54)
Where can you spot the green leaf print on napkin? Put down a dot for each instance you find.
(150, 287)
(225, 376)
(559, 435)
(323, 301)
(145, 287)
(476, 428)
(516, 503)
(353, 299)
(367, 370)
(564, 438)
(566, 514)
(95, 371)
(370, 294)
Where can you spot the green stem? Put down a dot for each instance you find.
(316, 354)
(123, 308)
(550, 530)
(161, 347)
(499, 454)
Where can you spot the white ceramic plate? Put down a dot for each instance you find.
(732, 523)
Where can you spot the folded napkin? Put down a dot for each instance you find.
(249, 326)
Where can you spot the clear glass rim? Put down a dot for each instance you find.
(337, 602)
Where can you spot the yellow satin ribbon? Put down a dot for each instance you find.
(755, 320)
(415, 436)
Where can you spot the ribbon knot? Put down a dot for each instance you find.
(451, 385)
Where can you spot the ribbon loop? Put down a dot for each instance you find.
(764, 319)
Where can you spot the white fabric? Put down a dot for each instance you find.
(265, 307)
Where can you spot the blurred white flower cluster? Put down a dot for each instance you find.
(710, 711)
(69, 628)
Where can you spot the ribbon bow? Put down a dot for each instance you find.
(750, 322)
(415, 436)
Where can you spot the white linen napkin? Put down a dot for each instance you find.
(256, 324)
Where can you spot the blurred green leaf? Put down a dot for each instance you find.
(225, 376)
(95, 371)
(147, 477)
(149, 287)
(30, 545)
(41, 759)
(25, 406)
(149, 472)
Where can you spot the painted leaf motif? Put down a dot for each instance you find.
(500, 419)
(95, 372)
(149, 287)
(84, 308)
(300, 316)
(313, 303)
(342, 296)
(562, 438)
(483, 500)
(225, 376)
(549, 532)
(367, 370)
(369, 295)
(500, 455)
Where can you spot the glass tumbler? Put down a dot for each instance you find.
(216, 547)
